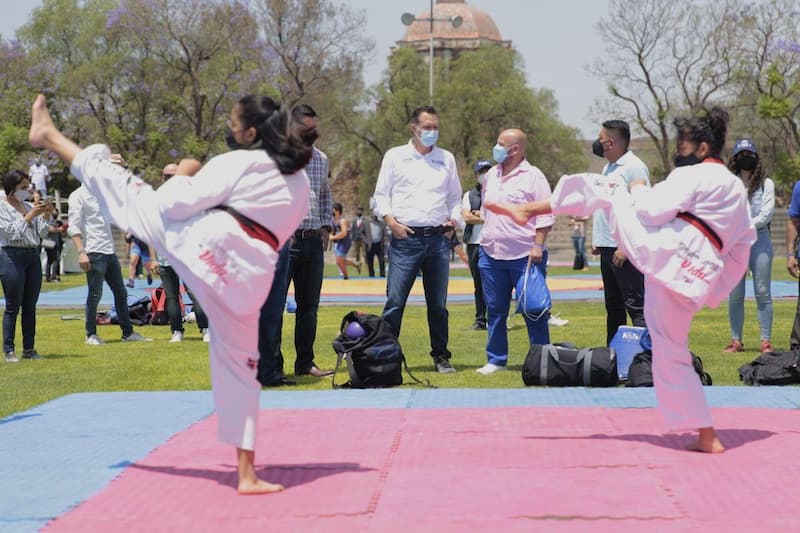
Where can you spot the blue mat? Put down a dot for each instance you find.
(60, 453)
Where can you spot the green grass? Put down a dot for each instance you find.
(70, 366)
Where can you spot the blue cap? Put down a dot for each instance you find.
(744, 144)
(481, 164)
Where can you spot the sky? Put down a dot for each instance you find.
(556, 39)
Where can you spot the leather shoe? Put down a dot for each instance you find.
(280, 382)
(315, 372)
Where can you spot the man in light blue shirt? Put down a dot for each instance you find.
(623, 285)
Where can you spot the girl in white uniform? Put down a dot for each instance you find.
(220, 230)
(690, 235)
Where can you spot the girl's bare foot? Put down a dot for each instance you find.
(707, 443)
(248, 480)
(41, 124)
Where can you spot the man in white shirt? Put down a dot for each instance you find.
(40, 176)
(418, 195)
(91, 234)
(623, 284)
(471, 213)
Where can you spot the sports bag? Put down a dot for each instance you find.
(640, 373)
(773, 368)
(374, 359)
(564, 365)
(533, 296)
(159, 316)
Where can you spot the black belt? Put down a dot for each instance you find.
(704, 228)
(251, 227)
(306, 233)
(427, 231)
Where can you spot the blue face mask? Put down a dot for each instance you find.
(499, 153)
(428, 137)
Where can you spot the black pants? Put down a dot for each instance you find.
(270, 322)
(306, 261)
(473, 253)
(794, 339)
(172, 290)
(53, 269)
(376, 250)
(624, 292)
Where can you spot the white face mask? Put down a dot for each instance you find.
(22, 195)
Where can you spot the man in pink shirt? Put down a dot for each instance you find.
(506, 245)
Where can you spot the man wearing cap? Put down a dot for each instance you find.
(471, 213)
(418, 195)
(623, 284)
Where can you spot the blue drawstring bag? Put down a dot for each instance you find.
(533, 296)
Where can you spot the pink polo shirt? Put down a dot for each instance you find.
(501, 237)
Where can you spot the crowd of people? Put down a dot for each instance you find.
(251, 221)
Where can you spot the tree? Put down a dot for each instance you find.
(662, 59)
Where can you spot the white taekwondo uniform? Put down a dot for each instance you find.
(229, 271)
(684, 269)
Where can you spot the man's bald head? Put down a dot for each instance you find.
(513, 136)
(169, 171)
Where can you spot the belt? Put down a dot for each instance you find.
(704, 228)
(306, 233)
(251, 227)
(427, 231)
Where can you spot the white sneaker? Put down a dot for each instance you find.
(556, 321)
(135, 337)
(206, 335)
(177, 336)
(94, 340)
(489, 368)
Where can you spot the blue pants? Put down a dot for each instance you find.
(761, 266)
(21, 275)
(407, 257)
(106, 267)
(499, 279)
(270, 322)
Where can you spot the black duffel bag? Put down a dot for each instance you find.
(563, 365)
(772, 368)
(640, 373)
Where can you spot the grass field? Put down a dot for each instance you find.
(70, 366)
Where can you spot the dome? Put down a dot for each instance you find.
(477, 24)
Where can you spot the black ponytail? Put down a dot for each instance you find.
(710, 128)
(287, 141)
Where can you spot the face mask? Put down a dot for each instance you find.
(597, 148)
(746, 163)
(686, 160)
(233, 144)
(22, 195)
(428, 137)
(499, 153)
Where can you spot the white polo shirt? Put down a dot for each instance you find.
(418, 189)
(86, 219)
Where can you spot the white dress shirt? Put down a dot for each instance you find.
(86, 219)
(418, 189)
(14, 231)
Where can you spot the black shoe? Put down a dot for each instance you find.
(477, 326)
(280, 382)
(31, 354)
(443, 365)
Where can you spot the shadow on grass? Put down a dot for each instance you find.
(288, 475)
(730, 438)
(64, 356)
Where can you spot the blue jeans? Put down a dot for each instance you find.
(21, 275)
(270, 322)
(761, 266)
(407, 257)
(499, 279)
(172, 290)
(106, 267)
(579, 244)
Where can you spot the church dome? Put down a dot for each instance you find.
(477, 25)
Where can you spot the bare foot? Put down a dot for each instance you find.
(707, 443)
(41, 123)
(258, 486)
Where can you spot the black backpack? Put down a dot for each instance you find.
(640, 373)
(773, 368)
(374, 360)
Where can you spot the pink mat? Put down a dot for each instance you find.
(519, 469)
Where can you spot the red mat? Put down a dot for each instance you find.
(515, 469)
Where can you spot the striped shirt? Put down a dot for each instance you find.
(320, 203)
(14, 231)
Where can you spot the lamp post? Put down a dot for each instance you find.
(408, 19)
